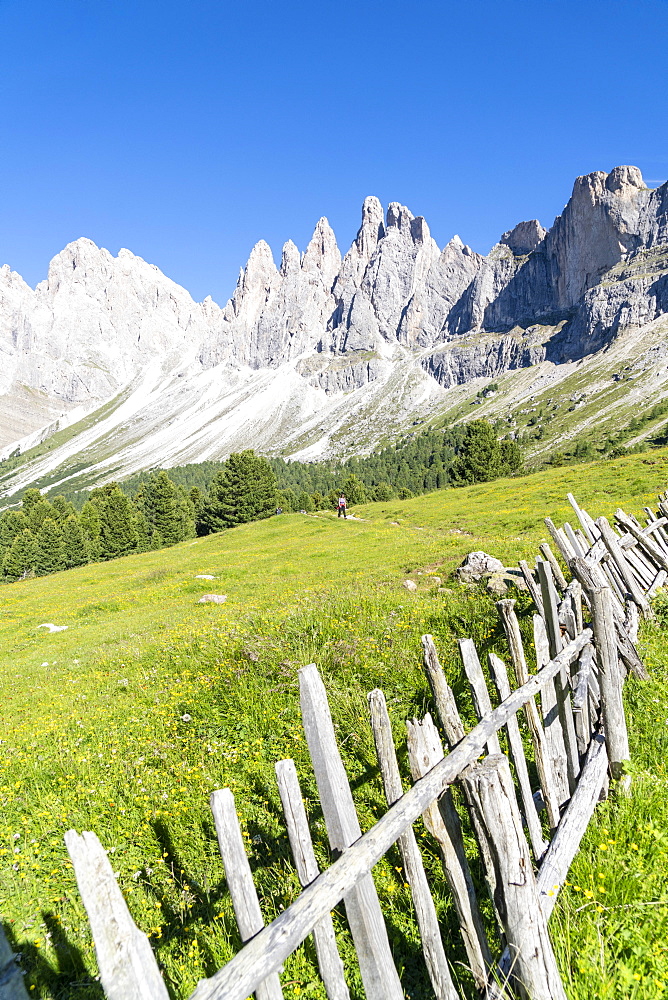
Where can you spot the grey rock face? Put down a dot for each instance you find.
(338, 325)
(477, 565)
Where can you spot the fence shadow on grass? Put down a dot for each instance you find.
(67, 977)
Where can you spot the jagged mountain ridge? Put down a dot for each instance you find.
(304, 352)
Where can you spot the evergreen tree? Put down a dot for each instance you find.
(159, 498)
(19, 560)
(511, 457)
(12, 523)
(319, 502)
(118, 533)
(63, 508)
(245, 490)
(479, 458)
(50, 554)
(91, 525)
(30, 498)
(75, 550)
(383, 492)
(305, 502)
(354, 490)
(38, 513)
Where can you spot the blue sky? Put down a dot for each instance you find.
(188, 131)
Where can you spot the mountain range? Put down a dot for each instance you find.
(109, 367)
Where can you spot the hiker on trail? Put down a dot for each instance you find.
(342, 505)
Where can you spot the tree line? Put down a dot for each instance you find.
(158, 509)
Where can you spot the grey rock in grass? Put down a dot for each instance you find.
(204, 576)
(410, 585)
(477, 565)
(496, 584)
(213, 599)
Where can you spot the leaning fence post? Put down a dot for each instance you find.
(533, 967)
(299, 835)
(561, 680)
(442, 820)
(367, 926)
(610, 682)
(425, 911)
(240, 881)
(128, 969)
(11, 977)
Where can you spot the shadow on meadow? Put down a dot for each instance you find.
(67, 977)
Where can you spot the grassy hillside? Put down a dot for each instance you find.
(124, 722)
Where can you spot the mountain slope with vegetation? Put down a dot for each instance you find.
(123, 723)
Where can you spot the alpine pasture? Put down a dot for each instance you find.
(125, 721)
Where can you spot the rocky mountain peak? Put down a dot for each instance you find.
(322, 254)
(290, 259)
(623, 180)
(525, 237)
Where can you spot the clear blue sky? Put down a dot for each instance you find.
(187, 131)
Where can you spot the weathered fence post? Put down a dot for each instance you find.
(299, 835)
(240, 881)
(610, 682)
(533, 967)
(11, 977)
(367, 926)
(425, 911)
(441, 819)
(546, 775)
(500, 674)
(128, 969)
(562, 679)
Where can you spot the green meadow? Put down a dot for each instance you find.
(126, 720)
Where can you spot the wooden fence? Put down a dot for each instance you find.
(584, 635)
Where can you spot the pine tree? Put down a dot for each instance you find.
(305, 502)
(39, 512)
(245, 490)
(479, 458)
(354, 490)
(159, 501)
(91, 525)
(383, 491)
(118, 533)
(63, 508)
(75, 550)
(12, 523)
(50, 554)
(20, 558)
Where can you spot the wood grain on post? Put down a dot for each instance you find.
(534, 971)
(128, 969)
(11, 977)
(563, 848)
(554, 737)
(559, 577)
(367, 926)
(616, 552)
(425, 911)
(301, 845)
(530, 581)
(612, 706)
(240, 881)
(646, 543)
(454, 732)
(500, 674)
(562, 680)
(560, 540)
(441, 819)
(542, 755)
(446, 705)
(581, 699)
(269, 949)
(476, 679)
(589, 528)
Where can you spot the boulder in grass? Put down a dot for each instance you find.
(410, 585)
(478, 565)
(496, 584)
(204, 576)
(213, 599)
